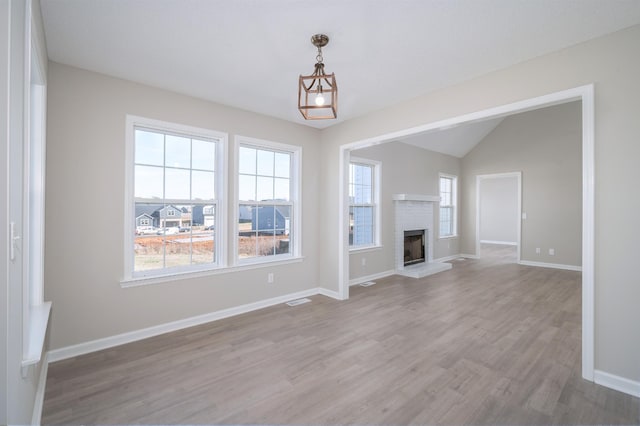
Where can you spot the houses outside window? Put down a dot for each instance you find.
(448, 196)
(174, 176)
(364, 211)
(268, 210)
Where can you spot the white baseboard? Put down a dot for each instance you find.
(371, 277)
(618, 383)
(551, 265)
(504, 243)
(447, 258)
(469, 256)
(329, 293)
(36, 417)
(132, 336)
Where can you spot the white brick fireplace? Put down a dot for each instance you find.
(415, 212)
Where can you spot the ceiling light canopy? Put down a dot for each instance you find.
(318, 92)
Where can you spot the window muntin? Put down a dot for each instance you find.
(448, 188)
(363, 204)
(266, 227)
(174, 180)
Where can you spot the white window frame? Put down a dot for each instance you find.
(375, 197)
(295, 185)
(133, 122)
(453, 206)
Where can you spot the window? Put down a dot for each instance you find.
(364, 177)
(448, 195)
(267, 219)
(174, 191)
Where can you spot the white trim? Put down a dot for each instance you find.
(132, 336)
(508, 175)
(329, 293)
(447, 258)
(469, 256)
(343, 224)
(377, 276)
(295, 194)
(376, 197)
(583, 93)
(503, 243)
(221, 142)
(588, 231)
(135, 282)
(416, 197)
(621, 384)
(364, 249)
(550, 265)
(36, 416)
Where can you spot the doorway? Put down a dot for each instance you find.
(585, 94)
(498, 214)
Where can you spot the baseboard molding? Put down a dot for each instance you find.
(469, 256)
(503, 243)
(447, 258)
(371, 277)
(551, 265)
(132, 336)
(618, 383)
(329, 293)
(36, 417)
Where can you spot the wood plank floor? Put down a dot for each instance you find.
(488, 342)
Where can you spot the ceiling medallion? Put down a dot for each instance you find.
(318, 92)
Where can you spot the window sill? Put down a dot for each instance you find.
(141, 281)
(365, 249)
(38, 320)
(447, 237)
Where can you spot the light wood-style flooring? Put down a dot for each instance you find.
(488, 342)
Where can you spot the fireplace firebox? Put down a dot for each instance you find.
(414, 250)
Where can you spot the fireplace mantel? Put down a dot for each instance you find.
(416, 197)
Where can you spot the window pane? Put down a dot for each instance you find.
(148, 182)
(247, 160)
(203, 187)
(177, 185)
(148, 248)
(203, 155)
(149, 148)
(265, 162)
(281, 191)
(177, 248)
(282, 164)
(247, 188)
(202, 239)
(178, 151)
(362, 225)
(264, 188)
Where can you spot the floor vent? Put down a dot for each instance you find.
(298, 302)
(367, 284)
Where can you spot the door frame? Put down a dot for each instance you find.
(585, 94)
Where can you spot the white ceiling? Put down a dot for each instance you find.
(249, 53)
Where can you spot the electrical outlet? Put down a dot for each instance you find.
(270, 278)
(552, 252)
(364, 261)
(524, 216)
(537, 250)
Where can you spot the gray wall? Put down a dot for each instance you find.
(612, 64)
(406, 169)
(499, 210)
(85, 169)
(546, 146)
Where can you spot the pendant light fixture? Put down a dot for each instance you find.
(318, 92)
